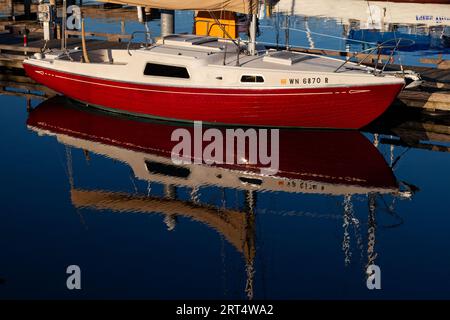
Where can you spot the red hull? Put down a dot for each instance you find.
(340, 108)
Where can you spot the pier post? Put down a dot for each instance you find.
(170, 191)
(122, 26)
(252, 36)
(52, 23)
(27, 8)
(63, 25)
(11, 9)
(167, 22)
(46, 15)
(29, 108)
(141, 14)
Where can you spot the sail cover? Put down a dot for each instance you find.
(242, 6)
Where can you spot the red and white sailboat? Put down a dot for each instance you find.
(189, 77)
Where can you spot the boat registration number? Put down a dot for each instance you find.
(311, 80)
(303, 185)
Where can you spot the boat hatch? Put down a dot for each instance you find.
(286, 57)
(187, 39)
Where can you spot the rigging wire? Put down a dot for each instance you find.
(322, 34)
(395, 37)
(390, 210)
(69, 170)
(394, 163)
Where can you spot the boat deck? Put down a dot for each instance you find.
(223, 52)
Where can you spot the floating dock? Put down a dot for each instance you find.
(434, 94)
(12, 84)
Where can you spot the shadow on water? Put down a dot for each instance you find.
(413, 128)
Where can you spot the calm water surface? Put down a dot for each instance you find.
(81, 187)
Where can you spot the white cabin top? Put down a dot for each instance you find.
(215, 51)
(200, 61)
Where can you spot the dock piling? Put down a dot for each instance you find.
(25, 41)
(11, 9)
(29, 108)
(167, 22)
(27, 8)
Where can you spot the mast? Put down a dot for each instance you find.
(252, 40)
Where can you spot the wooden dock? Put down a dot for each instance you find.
(13, 51)
(434, 94)
(426, 100)
(19, 85)
(411, 128)
(12, 56)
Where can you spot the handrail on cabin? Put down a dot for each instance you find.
(148, 38)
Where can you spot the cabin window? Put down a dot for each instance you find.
(247, 78)
(163, 70)
(254, 181)
(167, 169)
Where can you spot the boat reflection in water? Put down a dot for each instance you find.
(336, 163)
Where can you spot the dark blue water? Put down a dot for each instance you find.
(296, 240)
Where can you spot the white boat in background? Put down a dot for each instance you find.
(370, 14)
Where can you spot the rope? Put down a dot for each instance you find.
(306, 48)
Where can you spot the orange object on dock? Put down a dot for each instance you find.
(226, 25)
